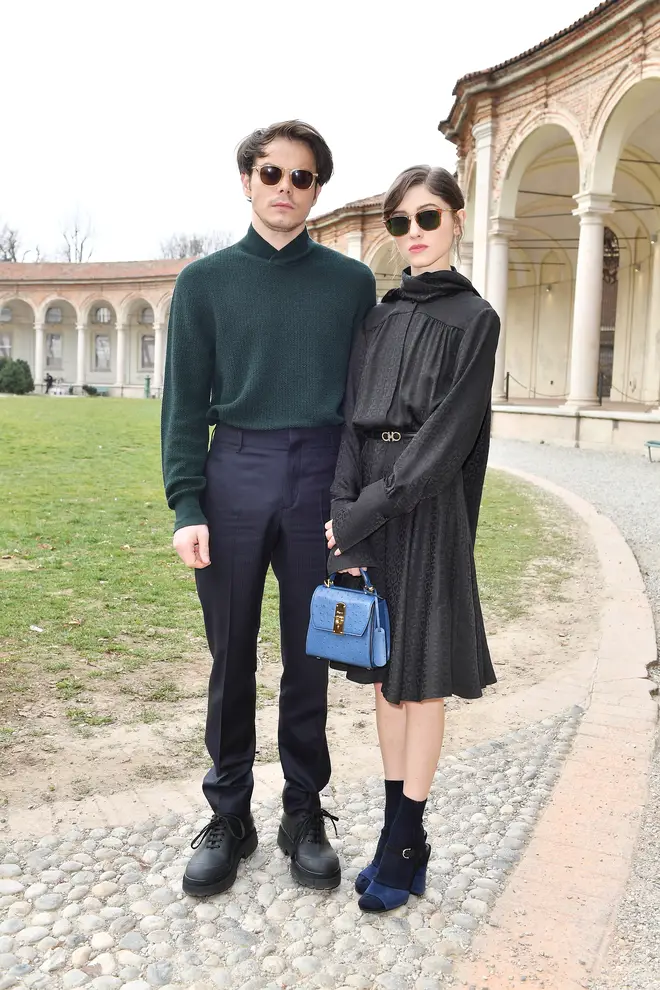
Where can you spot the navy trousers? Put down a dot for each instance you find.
(266, 501)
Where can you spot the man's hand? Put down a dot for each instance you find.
(192, 545)
(329, 535)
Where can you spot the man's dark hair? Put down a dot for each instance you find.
(255, 144)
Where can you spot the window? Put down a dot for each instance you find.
(5, 314)
(54, 314)
(101, 352)
(5, 345)
(147, 352)
(102, 315)
(54, 350)
(147, 316)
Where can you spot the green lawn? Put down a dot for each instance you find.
(85, 542)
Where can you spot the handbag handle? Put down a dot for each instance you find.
(368, 590)
(368, 586)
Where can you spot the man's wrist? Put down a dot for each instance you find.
(188, 512)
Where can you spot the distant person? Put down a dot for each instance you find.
(405, 500)
(49, 382)
(258, 347)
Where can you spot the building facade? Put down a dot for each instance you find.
(558, 154)
(100, 324)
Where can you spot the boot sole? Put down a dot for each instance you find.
(304, 877)
(197, 889)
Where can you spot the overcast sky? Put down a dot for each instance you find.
(130, 112)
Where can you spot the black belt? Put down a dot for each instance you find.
(388, 436)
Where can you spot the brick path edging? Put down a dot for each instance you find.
(551, 923)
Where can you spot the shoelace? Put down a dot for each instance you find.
(215, 831)
(314, 825)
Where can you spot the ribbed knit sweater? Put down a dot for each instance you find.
(258, 339)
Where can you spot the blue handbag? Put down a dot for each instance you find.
(349, 625)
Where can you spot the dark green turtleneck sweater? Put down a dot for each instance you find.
(258, 339)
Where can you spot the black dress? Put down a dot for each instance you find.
(422, 364)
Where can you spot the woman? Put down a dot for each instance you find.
(405, 502)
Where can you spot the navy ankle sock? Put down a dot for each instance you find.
(407, 829)
(393, 795)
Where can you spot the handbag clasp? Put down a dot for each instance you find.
(390, 436)
(340, 615)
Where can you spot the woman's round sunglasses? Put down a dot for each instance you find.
(270, 175)
(399, 224)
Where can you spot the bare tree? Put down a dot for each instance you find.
(194, 245)
(76, 237)
(9, 243)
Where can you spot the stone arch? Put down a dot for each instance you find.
(16, 326)
(622, 112)
(374, 247)
(162, 307)
(128, 305)
(535, 138)
(42, 309)
(90, 304)
(386, 264)
(7, 298)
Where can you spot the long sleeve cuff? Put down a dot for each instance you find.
(188, 512)
(355, 521)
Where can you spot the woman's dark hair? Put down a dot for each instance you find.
(254, 146)
(438, 181)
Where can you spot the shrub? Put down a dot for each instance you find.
(90, 390)
(16, 377)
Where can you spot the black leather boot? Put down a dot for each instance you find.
(314, 863)
(220, 847)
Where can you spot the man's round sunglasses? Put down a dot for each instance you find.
(270, 175)
(430, 219)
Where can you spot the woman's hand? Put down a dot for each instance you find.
(329, 535)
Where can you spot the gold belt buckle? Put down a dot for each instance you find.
(390, 436)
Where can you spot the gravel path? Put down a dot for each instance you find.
(626, 487)
(104, 909)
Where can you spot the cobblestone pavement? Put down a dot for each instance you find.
(626, 487)
(103, 908)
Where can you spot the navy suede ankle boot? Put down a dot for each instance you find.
(401, 872)
(393, 795)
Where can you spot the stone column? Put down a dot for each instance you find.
(467, 253)
(120, 376)
(498, 291)
(651, 388)
(585, 347)
(38, 357)
(354, 244)
(483, 141)
(159, 356)
(80, 354)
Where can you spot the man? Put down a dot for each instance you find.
(258, 345)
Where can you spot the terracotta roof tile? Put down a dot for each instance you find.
(542, 44)
(370, 203)
(99, 271)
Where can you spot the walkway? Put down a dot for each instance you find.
(90, 892)
(627, 489)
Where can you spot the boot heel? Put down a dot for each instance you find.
(285, 842)
(418, 885)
